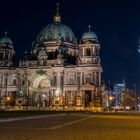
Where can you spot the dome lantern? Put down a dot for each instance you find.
(57, 17)
(6, 33)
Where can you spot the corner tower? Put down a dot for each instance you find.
(89, 49)
(6, 51)
(89, 63)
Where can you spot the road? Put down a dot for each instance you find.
(88, 126)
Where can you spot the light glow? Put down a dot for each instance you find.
(57, 92)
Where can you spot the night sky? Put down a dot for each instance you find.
(116, 23)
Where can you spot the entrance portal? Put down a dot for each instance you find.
(88, 99)
(39, 90)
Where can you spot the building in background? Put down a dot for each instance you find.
(59, 74)
(118, 97)
(108, 96)
(105, 96)
(129, 99)
(119, 90)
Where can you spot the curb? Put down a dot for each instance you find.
(30, 117)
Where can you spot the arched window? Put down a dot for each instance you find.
(14, 82)
(71, 80)
(88, 52)
(1, 55)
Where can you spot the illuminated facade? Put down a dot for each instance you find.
(119, 90)
(60, 73)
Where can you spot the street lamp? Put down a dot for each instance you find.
(7, 101)
(8, 98)
(111, 98)
(6, 78)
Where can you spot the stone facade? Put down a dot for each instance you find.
(59, 74)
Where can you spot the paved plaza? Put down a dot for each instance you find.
(79, 126)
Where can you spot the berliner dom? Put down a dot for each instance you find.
(61, 73)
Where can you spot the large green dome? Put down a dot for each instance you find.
(56, 31)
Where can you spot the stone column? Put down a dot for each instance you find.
(78, 82)
(92, 97)
(83, 98)
(66, 100)
(95, 77)
(58, 80)
(93, 50)
(61, 82)
(83, 51)
(99, 79)
(83, 82)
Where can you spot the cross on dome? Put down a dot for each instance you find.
(57, 4)
(89, 27)
(6, 33)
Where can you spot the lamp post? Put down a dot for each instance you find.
(8, 99)
(135, 92)
(111, 98)
(6, 80)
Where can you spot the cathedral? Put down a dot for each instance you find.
(60, 74)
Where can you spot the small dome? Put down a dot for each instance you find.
(6, 40)
(89, 35)
(56, 31)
